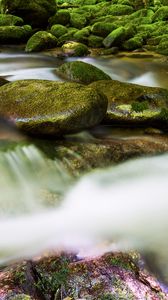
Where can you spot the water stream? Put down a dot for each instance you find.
(114, 204)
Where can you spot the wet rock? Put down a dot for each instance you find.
(103, 28)
(35, 13)
(58, 30)
(9, 20)
(14, 34)
(119, 10)
(75, 49)
(114, 38)
(62, 17)
(81, 72)
(41, 107)
(82, 35)
(80, 154)
(41, 40)
(111, 276)
(134, 104)
(95, 41)
(78, 21)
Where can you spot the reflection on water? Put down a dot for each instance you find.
(144, 71)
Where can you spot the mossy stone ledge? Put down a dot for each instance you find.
(81, 72)
(14, 34)
(49, 108)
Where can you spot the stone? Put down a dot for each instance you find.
(75, 49)
(115, 37)
(105, 277)
(61, 17)
(131, 104)
(41, 40)
(10, 20)
(58, 30)
(14, 34)
(35, 13)
(81, 72)
(48, 108)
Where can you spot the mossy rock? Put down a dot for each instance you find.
(82, 35)
(163, 47)
(78, 21)
(115, 38)
(95, 41)
(58, 30)
(81, 72)
(14, 34)
(48, 108)
(119, 10)
(133, 43)
(161, 14)
(103, 29)
(127, 104)
(10, 20)
(41, 40)
(62, 17)
(35, 13)
(75, 49)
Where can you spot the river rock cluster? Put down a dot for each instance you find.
(109, 25)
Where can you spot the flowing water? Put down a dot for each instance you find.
(127, 204)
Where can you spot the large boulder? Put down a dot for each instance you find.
(130, 104)
(35, 13)
(48, 108)
(81, 72)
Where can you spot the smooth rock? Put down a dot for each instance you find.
(48, 108)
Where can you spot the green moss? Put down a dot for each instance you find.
(50, 283)
(81, 35)
(81, 72)
(164, 114)
(103, 28)
(75, 49)
(115, 37)
(61, 17)
(41, 40)
(14, 34)
(161, 14)
(95, 41)
(58, 30)
(77, 20)
(139, 106)
(133, 43)
(9, 20)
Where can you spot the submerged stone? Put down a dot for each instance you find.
(130, 104)
(81, 72)
(48, 108)
(41, 40)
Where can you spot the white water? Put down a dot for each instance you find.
(126, 204)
